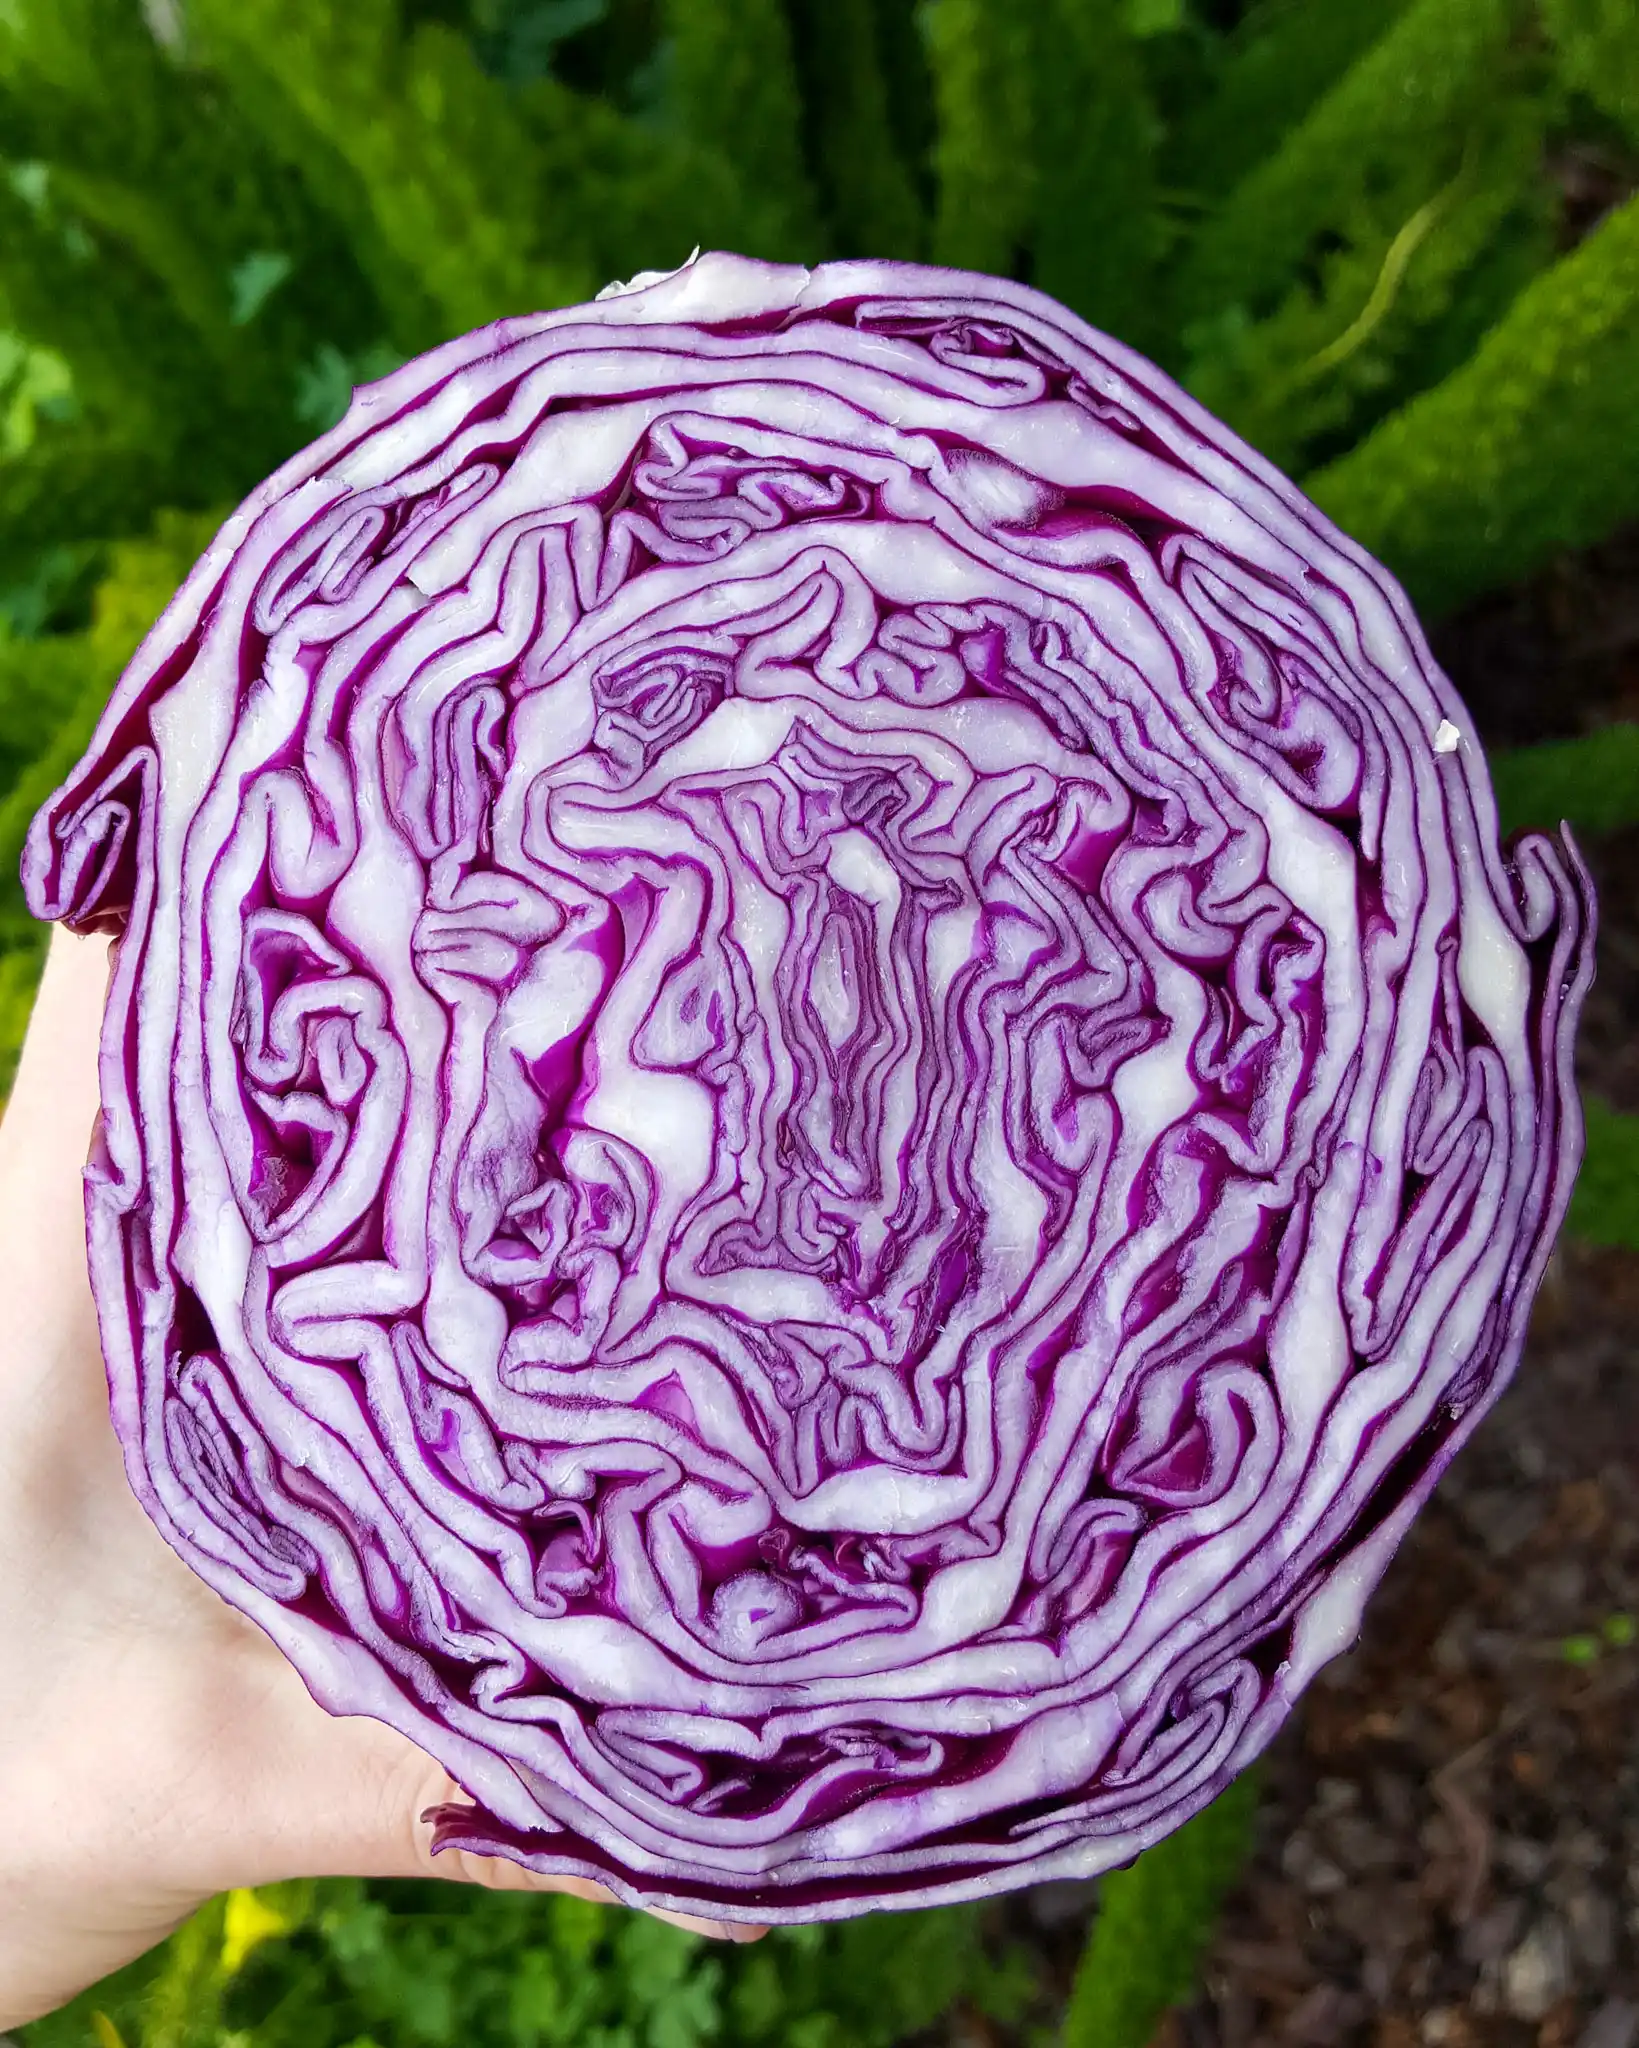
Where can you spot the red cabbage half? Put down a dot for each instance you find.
(823, 1098)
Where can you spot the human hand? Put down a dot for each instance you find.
(155, 1747)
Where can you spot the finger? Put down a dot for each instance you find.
(56, 1082)
(45, 1135)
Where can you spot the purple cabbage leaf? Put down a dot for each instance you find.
(823, 1097)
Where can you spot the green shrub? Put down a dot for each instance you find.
(431, 1965)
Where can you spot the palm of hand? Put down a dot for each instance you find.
(155, 1747)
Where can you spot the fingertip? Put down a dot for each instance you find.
(735, 1931)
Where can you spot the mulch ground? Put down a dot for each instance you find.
(1448, 1845)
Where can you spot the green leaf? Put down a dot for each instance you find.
(36, 386)
(733, 75)
(144, 201)
(620, 196)
(253, 281)
(1285, 55)
(1045, 154)
(1347, 341)
(442, 198)
(77, 485)
(52, 692)
(325, 384)
(908, 85)
(578, 1926)
(655, 1957)
(981, 54)
(1605, 1201)
(871, 201)
(1597, 42)
(184, 2002)
(688, 2017)
(119, 1997)
(1146, 18)
(759, 1995)
(1524, 451)
(519, 38)
(1591, 784)
(1154, 1919)
(1394, 125)
(1095, 242)
(536, 2001)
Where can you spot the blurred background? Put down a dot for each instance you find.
(1395, 244)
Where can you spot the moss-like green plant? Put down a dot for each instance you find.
(1525, 449)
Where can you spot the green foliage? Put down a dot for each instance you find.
(1154, 1919)
(1282, 58)
(847, 54)
(1527, 448)
(441, 203)
(1590, 783)
(1327, 287)
(1045, 152)
(52, 691)
(1396, 115)
(132, 201)
(430, 1965)
(732, 70)
(1598, 45)
(1605, 1204)
(1335, 352)
(1328, 219)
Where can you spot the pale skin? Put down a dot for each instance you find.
(155, 1748)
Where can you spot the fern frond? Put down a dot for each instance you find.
(981, 53)
(1597, 42)
(871, 201)
(1605, 1200)
(143, 151)
(908, 87)
(1335, 356)
(1525, 450)
(1045, 153)
(52, 692)
(1154, 1919)
(1284, 55)
(40, 682)
(1395, 124)
(66, 290)
(78, 485)
(624, 197)
(422, 158)
(1096, 237)
(1591, 783)
(71, 52)
(734, 90)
